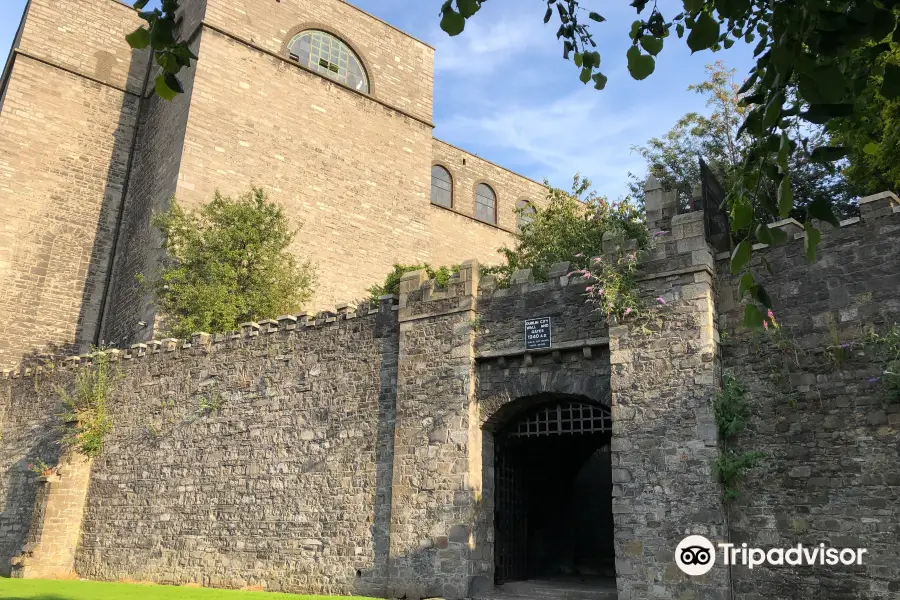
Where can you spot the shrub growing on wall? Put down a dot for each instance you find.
(228, 263)
(391, 283)
(570, 228)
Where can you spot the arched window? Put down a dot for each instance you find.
(485, 204)
(322, 52)
(441, 187)
(524, 213)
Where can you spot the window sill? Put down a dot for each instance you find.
(471, 218)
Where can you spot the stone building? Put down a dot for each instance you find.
(326, 107)
(425, 448)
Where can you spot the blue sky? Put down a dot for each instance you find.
(503, 91)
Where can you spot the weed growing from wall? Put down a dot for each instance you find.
(887, 348)
(391, 284)
(85, 408)
(732, 411)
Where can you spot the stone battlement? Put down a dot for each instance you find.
(283, 323)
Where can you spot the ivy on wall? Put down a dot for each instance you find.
(731, 411)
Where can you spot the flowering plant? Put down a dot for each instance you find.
(41, 468)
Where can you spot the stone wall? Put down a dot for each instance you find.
(830, 429)
(468, 170)
(665, 375)
(55, 531)
(129, 313)
(67, 123)
(354, 454)
(262, 458)
(511, 380)
(346, 166)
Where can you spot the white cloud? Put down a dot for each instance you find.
(556, 139)
(486, 45)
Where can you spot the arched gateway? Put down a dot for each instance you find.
(553, 492)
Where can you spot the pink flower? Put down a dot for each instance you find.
(660, 300)
(659, 233)
(771, 314)
(601, 291)
(579, 255)
(597, 259)
(627, 311)
(765, 324)
(589, 288)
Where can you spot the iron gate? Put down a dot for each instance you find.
(510, 508)
(510, 516)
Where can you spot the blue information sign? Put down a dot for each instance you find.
(537, 333)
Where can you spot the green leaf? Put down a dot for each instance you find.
(785, 197)
(138, 39)
(651, 44)
(679, 29)
(585, 75)
(596, 17)
(823, 85)
(813, 237)
(822, 113)
(821, 209)
(639, 65)
(162, 88)
(749, 83)
(740, 256)
(704, 34)
(467, 8)
(828, 153)
(578, 59)
(636, 28)
(162, 34)
(764, 234)
(890, 88)
(753, 317)
(168, 61)
(453, 23)
(599, 81)
(747, 284)
(548, 15)
(693, 6)
(871, 148)
(140, 4)
(741, 214)
(773, 110)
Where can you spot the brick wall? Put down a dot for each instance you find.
(400, 68)
(468, 170)
(66, 143)
(346, 166)
(830, 431)
(154, 177)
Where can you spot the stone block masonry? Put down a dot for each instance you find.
(262, 458)
(352, 451)
(820, 408)
(664, 377)
(89, 154)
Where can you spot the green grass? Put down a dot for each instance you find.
(39, 589)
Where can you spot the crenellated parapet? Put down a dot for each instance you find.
(205, 342)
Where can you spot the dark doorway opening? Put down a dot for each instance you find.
(553, 495)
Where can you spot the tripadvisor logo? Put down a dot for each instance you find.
(695, 555)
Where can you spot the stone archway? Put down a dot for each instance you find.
(548, 494)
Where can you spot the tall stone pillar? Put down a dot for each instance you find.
(49, 552)
(437, 450)
(665, 375)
